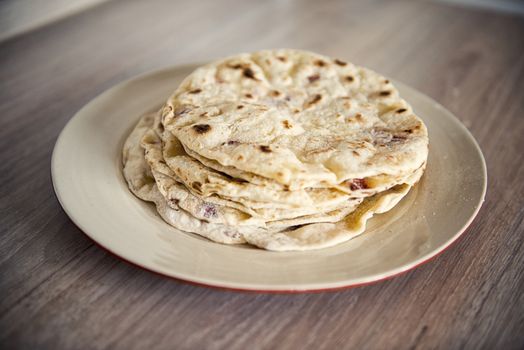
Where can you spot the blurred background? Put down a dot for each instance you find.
(18, 16)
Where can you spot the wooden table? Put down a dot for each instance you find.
(60, 290)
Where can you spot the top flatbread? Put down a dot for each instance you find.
(296, 117)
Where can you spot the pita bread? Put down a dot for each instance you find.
(281, 149)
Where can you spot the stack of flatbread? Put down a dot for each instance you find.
(282, 149)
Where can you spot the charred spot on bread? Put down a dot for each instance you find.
(320, 63)
(209, 210)
(358, 184)
(398, 138)
(235, 66)
(313, 78)
(314, 100)
(248, 73)
(201, 128)
(340, 62)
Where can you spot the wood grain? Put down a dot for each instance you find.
(19, 16)
(59, 290)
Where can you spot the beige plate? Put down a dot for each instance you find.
(86, 170)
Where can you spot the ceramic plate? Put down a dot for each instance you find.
(88, 181)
